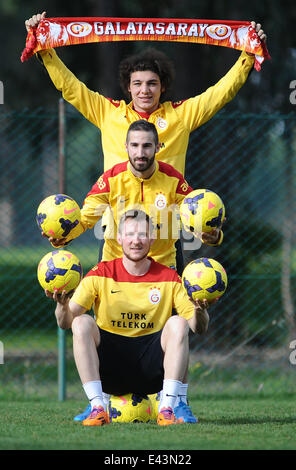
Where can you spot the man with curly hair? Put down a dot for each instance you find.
(145, 78)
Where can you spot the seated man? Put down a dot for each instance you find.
(153, 345)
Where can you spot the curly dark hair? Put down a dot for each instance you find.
(149, 59)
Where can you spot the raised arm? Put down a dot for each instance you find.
(89, 103)
(197, 110)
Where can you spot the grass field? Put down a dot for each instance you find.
(241, 404)
(228, 423)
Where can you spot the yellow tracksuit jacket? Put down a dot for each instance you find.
(119, 190)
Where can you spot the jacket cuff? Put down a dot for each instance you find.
(61, 246)
(219, 242)
(43, 53)
(247, 57)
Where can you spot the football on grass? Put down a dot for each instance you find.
(130, 408)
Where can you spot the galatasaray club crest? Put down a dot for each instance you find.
(160, 201)
(161, 123)
(79, 29)
(154, 295)
(219, 31)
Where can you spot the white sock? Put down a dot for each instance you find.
(170, 393)
(106, 398)
(94, 393)
(182, 394)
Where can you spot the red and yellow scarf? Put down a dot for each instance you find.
(56, 32)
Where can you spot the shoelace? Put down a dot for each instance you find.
(186, 408)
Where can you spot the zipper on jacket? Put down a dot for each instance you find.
(142, 191)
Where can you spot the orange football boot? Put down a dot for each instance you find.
(166, 417)
(97, 417)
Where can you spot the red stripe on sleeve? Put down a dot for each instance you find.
(103, 185)
(183, 187)
(115, 103)
(176, 104)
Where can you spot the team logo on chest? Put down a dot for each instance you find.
(161, 123)
(154, 295)
(160, 201)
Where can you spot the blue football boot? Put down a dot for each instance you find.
(184, 414)
(83, 415)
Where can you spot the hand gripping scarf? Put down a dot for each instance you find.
(56, 32)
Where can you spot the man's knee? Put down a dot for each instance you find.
(83, 325)
(177, 328)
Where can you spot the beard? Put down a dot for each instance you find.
(136, 257)
(142, 165)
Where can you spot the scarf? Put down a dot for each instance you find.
(56, 32)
